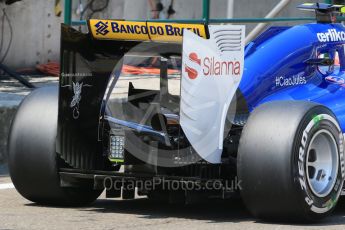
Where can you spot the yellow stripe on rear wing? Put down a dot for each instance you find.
(142, 31)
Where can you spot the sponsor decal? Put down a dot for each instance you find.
(210, 66)
(341, 155)
(298, 79)
(77, 90)
(76, 75)
(168, 30)
(143, 31)
(301, 159)
(102, 28)
(193, 58)
(332, 35)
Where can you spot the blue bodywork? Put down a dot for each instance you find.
(276, 69)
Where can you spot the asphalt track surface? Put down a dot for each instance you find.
(18, 213)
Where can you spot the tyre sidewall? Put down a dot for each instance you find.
(319, 118)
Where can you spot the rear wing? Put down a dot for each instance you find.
(212, 62)
(325, 13)
(143, 31)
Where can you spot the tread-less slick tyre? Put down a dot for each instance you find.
(33, 162)
(291, 161)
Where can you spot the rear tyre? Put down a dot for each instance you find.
(33, 162)
(291, 161)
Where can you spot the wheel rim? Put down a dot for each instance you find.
(322, 163)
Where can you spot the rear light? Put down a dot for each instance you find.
(116, 148)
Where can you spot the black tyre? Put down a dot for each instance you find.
(291, 161)
(33, 162)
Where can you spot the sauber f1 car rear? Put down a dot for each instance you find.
(173, 110)
(154, 123)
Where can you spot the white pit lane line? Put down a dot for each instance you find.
(6, 186)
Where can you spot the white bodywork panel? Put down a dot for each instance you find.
(211, 72)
